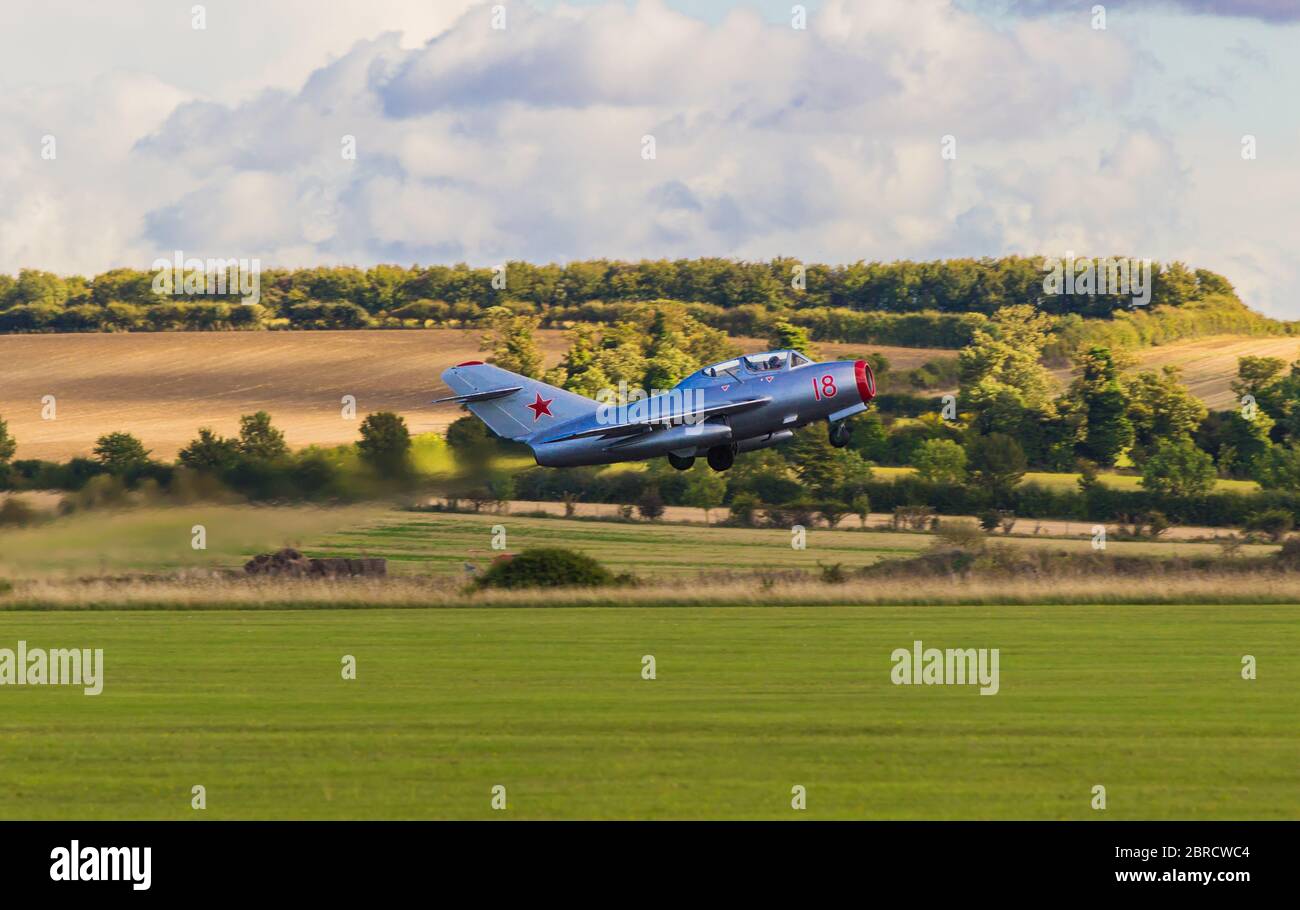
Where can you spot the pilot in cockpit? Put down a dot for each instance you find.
(767, 363)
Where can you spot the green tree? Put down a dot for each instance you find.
(868, 437)
(1160, 407)
(209, 452)
(1107, 430)
(1278, 468)
(1178, 467)
(651, 504)
(258, 438)
(667, 361)
(1256, 374)
(472, 446)
(580, 371)
(996, 462)
(861, 507)
(385, 443)
(501, 486)
(705, 489)
(8, 445)
(940, 461)
(511, 343)
(1273, 522)
(814, 462)
(795, 338)
(120, 452)
(1004, 357)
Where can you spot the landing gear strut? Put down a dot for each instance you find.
(839, 434)
(721, 457)
(681, 462)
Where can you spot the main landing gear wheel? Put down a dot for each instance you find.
(839, 434)
(721, 457)
(681, 462)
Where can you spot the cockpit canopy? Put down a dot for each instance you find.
(767, 362)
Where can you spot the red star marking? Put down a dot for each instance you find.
(540, 406)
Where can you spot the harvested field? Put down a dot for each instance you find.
(163, 386)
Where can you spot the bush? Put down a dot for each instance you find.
(965, 536)
(650, 505)
(546, 567)
(16, 513)
(743, 507)
(1273, 522)
(1180, 468)
(385, 444)
(1289, 555)
(940, 461)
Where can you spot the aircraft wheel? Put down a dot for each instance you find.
(721, 458)
(680, 462)
(839, 434)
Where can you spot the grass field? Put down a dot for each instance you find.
(159, 540)
(1148, 702)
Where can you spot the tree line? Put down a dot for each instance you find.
(256, 464)
(929, 303)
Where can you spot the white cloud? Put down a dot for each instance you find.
(488, 145)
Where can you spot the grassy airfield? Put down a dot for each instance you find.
(749, 701)
(1146, 701)
(440, 544)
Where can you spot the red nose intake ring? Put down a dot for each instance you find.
(866, 381)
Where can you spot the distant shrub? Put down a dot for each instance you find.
(1289, 555)
(546, 567)
(743, 507)
(834, 574)
(1273, 522)
(651, 505)
(965, 536)
(16, 513)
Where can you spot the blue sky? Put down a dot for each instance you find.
(485, 145)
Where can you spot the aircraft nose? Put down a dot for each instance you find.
(866, 380)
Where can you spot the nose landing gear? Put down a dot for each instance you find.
(839, 434)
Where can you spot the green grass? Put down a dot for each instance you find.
(441, 543)
(161, 539)
(1147, 701)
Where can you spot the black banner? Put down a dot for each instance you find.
(624, 859)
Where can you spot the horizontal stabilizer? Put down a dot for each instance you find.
(512, 406)
(479, 396)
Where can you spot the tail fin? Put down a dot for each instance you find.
(512, 406)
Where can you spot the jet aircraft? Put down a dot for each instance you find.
(738, 405)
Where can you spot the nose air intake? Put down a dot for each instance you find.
(866, 381)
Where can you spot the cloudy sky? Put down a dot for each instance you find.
(484, 144)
